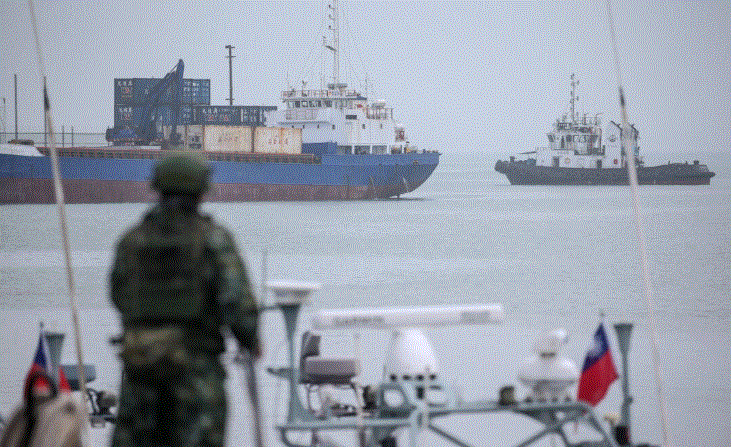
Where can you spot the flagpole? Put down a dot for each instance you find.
(62, 218)
(46, 351)
(639, 228)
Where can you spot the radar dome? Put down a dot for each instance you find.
(546, 373)
(410, 357)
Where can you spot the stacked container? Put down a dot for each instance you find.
(130, 95)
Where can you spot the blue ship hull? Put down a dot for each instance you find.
(93, 176)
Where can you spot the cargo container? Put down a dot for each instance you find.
(231, 115)
(123, 91)
(277, 140)
(218, 115)
(134, 91)
(196, 91)
(127, 116)
(131, 115)
(227, 138)
(215, 138)
(191, 135)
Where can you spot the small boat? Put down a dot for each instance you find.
(581, 152)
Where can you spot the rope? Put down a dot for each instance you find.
(639, 227)
(61, 212)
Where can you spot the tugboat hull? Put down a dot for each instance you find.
(525, 172)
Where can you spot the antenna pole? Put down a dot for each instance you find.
(336, 44)
(230, 75)
(574, 83)
(16, 106)
(4, 124)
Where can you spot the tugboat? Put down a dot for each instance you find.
(580, 152)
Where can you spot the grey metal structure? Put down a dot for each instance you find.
(623, 430)
(385, 408)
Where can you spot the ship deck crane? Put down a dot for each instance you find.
(146, 131)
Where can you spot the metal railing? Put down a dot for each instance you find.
(65, 138)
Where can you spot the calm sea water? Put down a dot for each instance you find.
(553, 256)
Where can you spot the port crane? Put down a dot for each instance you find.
(146, 131)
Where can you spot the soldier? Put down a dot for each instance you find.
(177, 281)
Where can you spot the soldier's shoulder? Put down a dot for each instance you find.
(135, 234)
(219, 237)
(130, 237)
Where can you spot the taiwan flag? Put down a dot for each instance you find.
(598, 372)
(41, 362)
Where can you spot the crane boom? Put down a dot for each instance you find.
(146, 130)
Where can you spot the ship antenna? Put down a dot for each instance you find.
(632, 175)
(574, 98)
(335, 48)
(61, 215)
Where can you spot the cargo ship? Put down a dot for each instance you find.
(331, 143)
(583, 152)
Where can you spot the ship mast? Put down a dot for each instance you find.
(574, 98)
(335, 48)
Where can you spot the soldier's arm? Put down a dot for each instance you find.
(235, 298)
(119, 274)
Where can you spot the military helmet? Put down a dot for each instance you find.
(181, 174)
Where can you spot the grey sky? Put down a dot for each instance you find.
(462, 76)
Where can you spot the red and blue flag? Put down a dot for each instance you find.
(598, 372)
(41, 363)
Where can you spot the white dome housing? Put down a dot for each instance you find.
(410, 357)
(546, 373)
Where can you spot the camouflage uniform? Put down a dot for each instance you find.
(177, 280)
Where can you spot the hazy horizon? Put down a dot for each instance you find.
(478, 77)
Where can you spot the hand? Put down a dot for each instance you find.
(244, 354)
(258, 351)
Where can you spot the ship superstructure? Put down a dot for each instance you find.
(576, 142)
(341, 115)
(581, 151)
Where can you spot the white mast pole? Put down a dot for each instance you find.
(336, 44)
(642, 240)
(58, 188)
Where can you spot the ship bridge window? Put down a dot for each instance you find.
(379, 149)
(362, 149)
(351, 117)
(328, 103)
(347, 150)
(296, 103)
